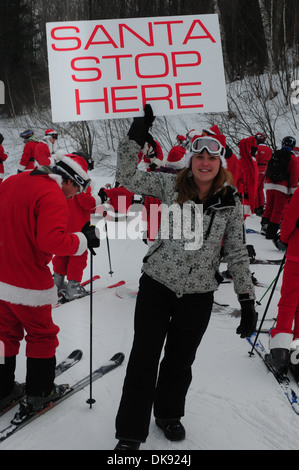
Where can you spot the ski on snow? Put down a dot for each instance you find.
(64, 365)
(114, 362)
(283, 380)
(276, 262)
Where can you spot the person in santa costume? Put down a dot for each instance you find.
(285, 336)
(44, 150)
(27, 161)
(3, 157)
(69, 266)
(263, 155)
(176, 158)
(33, 226)
(247, 148)
(278, 192)
(119, 197)
(151, 155)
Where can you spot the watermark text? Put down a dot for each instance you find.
(173, 222)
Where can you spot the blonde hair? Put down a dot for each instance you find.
(187, 189)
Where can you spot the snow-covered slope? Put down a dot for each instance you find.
(233, 402)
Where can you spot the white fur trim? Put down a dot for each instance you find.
(29, 297)
(75, 166)
(57, 178)
(82, 243)
(280, 340)
(295, 344)
(59, 155)
(276, 187)
(179, 165)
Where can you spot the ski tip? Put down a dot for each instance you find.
(120, 283)
(76, 354)
(118, 358)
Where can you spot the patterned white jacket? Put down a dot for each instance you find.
(174, 261)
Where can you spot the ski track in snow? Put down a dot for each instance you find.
(234, 403)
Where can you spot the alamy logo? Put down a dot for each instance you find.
(175, 222)
(2, 93)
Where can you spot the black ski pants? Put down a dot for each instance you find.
(160, 316)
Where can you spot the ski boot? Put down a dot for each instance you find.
(278, 361)
(264, 225)
(272, 230)
(278, 243)
(59, 283)
(251, 253)
(74, 290)
(31, 405)
(226, 274)
(17, 392)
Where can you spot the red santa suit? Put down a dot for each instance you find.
(250, 175)
(278, 193)
(33, 227)
(120, 198)
(42, 153)
(80, 208)
(27, 161)
(176, 158)
(151, 156)
(288, 306)
(3, 157)
(263, 155)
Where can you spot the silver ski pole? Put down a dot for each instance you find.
(91, 400)
(251, 353)
(108, 247)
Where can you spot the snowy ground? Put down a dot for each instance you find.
(234, 403)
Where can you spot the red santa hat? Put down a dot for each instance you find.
(51, 133)
(219, 137)
(214, 130)
(74, 167)
(176, 158)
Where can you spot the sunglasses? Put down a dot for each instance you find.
(211, 145)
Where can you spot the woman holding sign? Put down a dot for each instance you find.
(180, 275)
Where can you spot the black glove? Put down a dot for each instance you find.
(153, 166)
(297, 223)
(140, 126)
(92, 240)
(248, 319)
(102, 195)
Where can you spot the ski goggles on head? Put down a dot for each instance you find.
(211, 145)
(77, 179)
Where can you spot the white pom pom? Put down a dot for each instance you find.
(58, 155)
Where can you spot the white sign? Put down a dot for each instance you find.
(111, 68)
